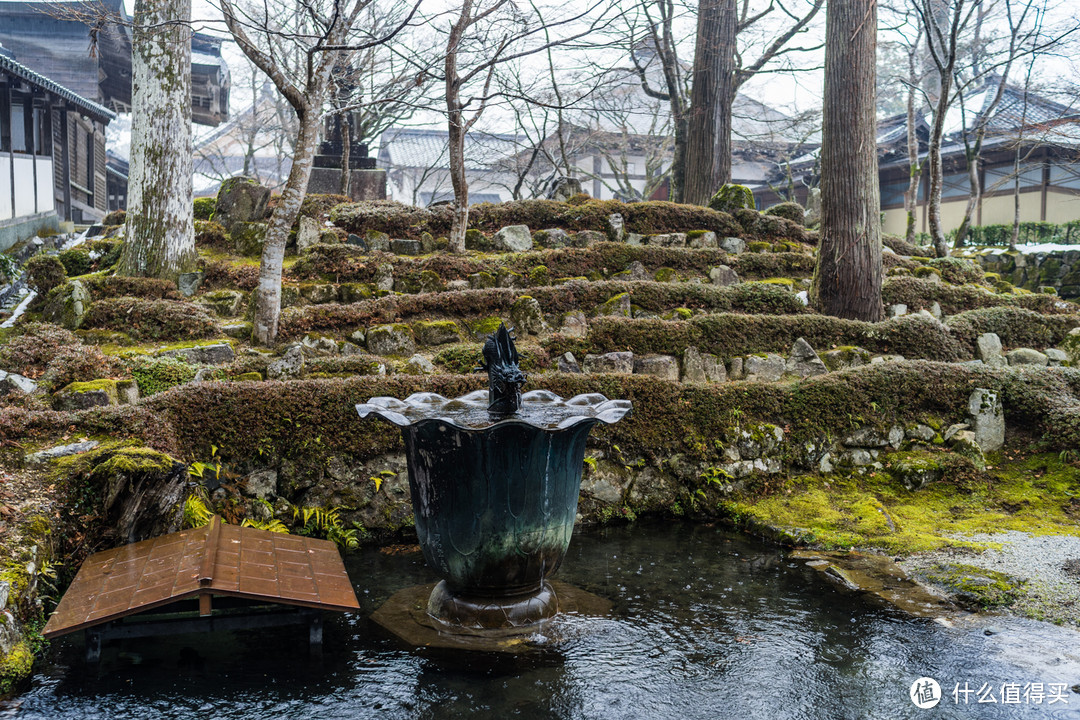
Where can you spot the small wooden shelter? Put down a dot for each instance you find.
(229, 574)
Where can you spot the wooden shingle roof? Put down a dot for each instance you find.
(215, 559)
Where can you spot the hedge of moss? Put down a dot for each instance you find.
(347, 263)
(649, 296)
(1017, 327)
(223, 275)
(919, 294)
(305, 420)
(731, 335)
(645, 218)
(151, 319)
(114, 286)
(21, 429)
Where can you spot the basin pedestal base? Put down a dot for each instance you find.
(406, 616)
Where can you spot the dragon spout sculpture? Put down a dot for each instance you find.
(505, 378)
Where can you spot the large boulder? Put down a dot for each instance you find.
(248, 238)
(85, 395)
(67, 305)
(803, 361)
(526, 316)
(1027, 356)
(661, 366)
(767, 367)
(240, 199)
(391, 340)
(723, 275)
(307, 234)
(987, 419)
(612, 362)
(989, 349)
(701, 367)
(291, 365)
(514, 238)
(216, 354)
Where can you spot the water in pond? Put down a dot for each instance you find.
(705, 625)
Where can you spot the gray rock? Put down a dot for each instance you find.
(455, 285)
(857, 457)
(588, 238)
(406, 247)
(5, 591)
(216, 354)
(359, 337)
(202, 375)
(348, 349)
(526, 316)
(825, 464)
(733, 245)
(240, 199)
(384, 277)
(702, 367)
(68, 399)
(13, 382)
(307, 234)
(354, 239)
(436, 333)
(896, 310)
(987, 419)
(616, 227)
(224, 303)
(248, 238)
(420, 365)
(868, 436)
(291, 365)
(764, 368)
(667, 240)
(563, 188)
(935, 310)
(377, 241)
(1056, 357)
(618, 306)
(661, 366)
(69, 306)
(845, 357)
(188, 283)
(634, 238)
(60, 451)
(319, 346)
(964, 443)
(735, 369)
(637, 271)
(951, 431)
(391, 340)
(803, 361)
(723, 275)
(1027, 356)
(240, 331)
(922, 433)
(575, 324)
(705, 239)
(988, 349)
(568, 363)
(553, 238)
(127, 392)
(262, 484)
(513, 238)
(613, 362)
(320, 293)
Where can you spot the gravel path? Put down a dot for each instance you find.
(1049, 563)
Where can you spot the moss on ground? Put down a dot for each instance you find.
(839, 512)
(984, 589)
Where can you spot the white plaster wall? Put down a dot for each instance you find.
(5, 188)
(24, 186)
(44, 184)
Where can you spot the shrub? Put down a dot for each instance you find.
(1015, 326)
(318, 205)
(79, 363)
(30, 352)
(104, 253)
(223, 274)
(111, 286)
(919, 294)
(900, 246)
(212, 235)
(45, 272)
(204, 207)
(154, 375)
(116, 217)
(76, 261)
(792, 211)
(730, 197)
(958, 270)
(151, 319)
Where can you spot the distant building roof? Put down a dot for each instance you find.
(418, 148)
(95, 110)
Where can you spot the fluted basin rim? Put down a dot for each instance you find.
(433, 407)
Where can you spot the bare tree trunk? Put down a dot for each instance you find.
(911, 197)
(159, 232)
(346, 155)
(456, 136)
(933, 207)
(974, 195)
(268, 300)
(847, 280)
(1014, 238)
(708, 138)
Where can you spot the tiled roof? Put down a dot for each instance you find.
(20, 70)
(417, 148)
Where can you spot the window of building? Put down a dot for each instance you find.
(955, 185)
(1002, 177)
(1065, 174)
(18, 125)
(42, 130)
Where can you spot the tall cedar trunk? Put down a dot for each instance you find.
(911, 197)
(847, 281)
(708, 141)
(268, 301)
(933, 209)
(456, 128)
(159, 232)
